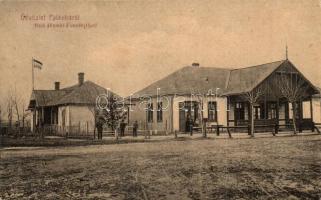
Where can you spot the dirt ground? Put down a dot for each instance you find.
(261, 168)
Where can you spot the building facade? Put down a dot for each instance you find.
(70, 110)
(218, 97)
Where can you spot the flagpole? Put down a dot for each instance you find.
(33, 80)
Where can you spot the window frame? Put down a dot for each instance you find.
(150, 113)
(159, 111)
(211, 112)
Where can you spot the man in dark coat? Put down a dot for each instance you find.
(122, 128)
(99, 126)
(135, 127)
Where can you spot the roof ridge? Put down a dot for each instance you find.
(257, 65)
(207, 67)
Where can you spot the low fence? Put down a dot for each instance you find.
(79, 130)
(14, 129)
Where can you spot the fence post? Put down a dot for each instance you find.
(79, 128)
(86, 127)
(217, 130)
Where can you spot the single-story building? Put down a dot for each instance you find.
(194, 93)
(66, 110)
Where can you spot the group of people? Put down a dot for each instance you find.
(122, 127)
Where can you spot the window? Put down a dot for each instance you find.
(297, 110)
(272, 113)
(159, 111)
(257, 112)
(149, 111)
(212, 111)
(239, 111)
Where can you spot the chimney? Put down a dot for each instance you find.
(57, 85)
(81, 78)
(195, 64)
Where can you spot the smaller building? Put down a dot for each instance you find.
(69, 110)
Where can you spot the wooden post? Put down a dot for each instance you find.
(166, 127)
(128, 115)
(311, 114)
(277, 111)
(228, 111)
(229, 133)
(87, 128)
(217, 130)
(79, 128)
(249, 112)
(204, 128)
(300, 116)
(42, 121)
(235, 116)
(250, 115)
(266, 112)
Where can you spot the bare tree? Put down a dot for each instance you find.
(293, 88)
(24, 115)
(10, 105)
(253, 97)
(19, 109)
(200, 105)
(114, 113)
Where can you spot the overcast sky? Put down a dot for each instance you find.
(138, 42)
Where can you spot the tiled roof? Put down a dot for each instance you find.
(85, 93)
(188, 80)
(200, 80)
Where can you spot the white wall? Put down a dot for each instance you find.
(316, 103)
(75, 116)
(221, 109)
(81, 115)
(138, 112)
(67, 118)
(306, 110)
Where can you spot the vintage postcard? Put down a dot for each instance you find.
(160, 99)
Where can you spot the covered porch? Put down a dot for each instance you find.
(269, 113)
(43, 116)
(282, 98)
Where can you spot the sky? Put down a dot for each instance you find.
(134, 43)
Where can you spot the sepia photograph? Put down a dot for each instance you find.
(160, 99)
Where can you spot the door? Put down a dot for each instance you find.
(63, 118)
(182, 118)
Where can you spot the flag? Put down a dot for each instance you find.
(36, 63)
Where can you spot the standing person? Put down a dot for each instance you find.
(99, 126)
(191, 123)
(122, 128)
(135, 127)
